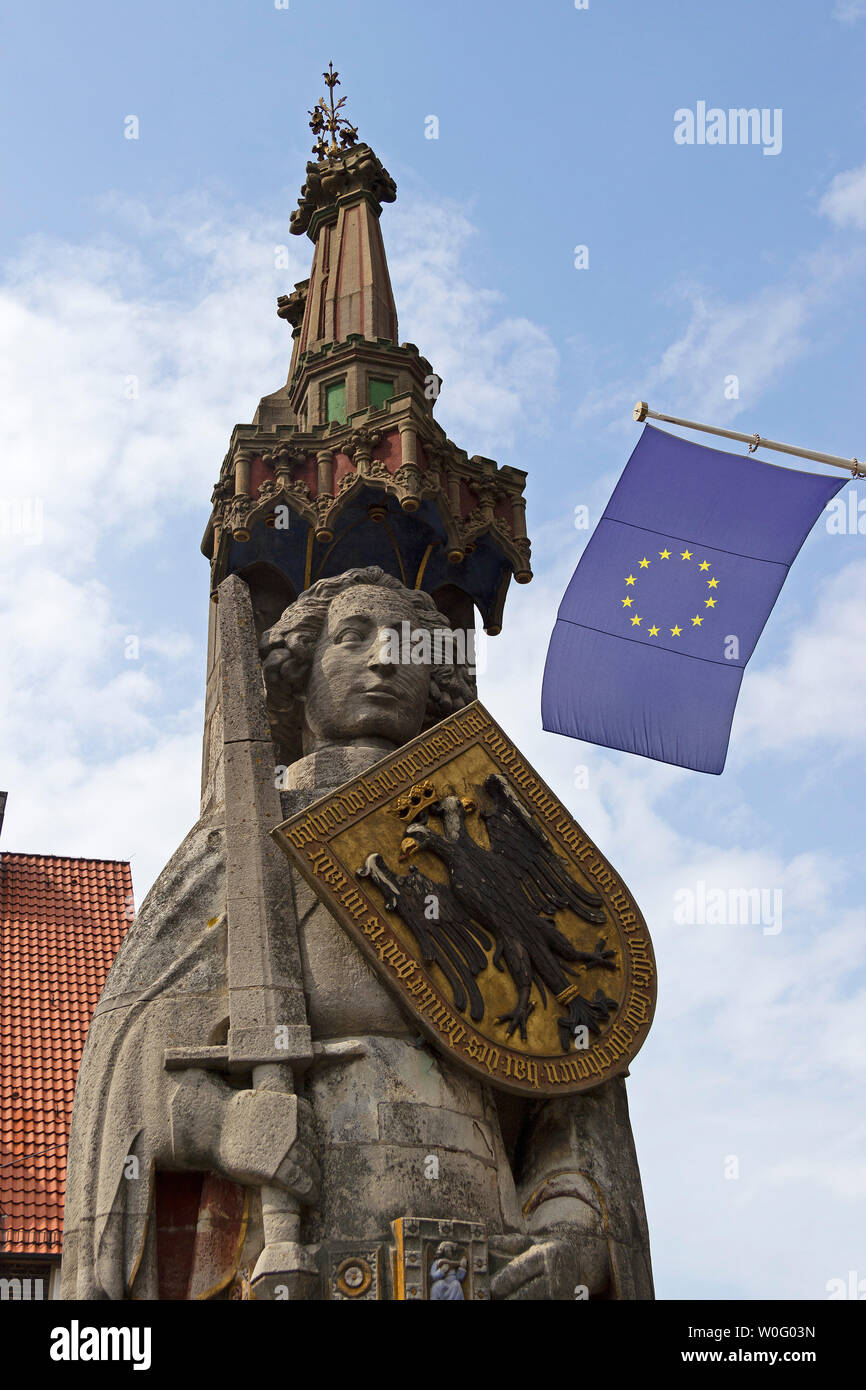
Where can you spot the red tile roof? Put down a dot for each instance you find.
(61, 922)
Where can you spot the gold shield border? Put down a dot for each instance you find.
(307, 839)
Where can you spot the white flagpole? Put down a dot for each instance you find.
(754, 441)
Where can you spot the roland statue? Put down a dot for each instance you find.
(167, 1162)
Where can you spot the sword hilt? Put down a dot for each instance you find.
(285, 1269)
(281, 1212)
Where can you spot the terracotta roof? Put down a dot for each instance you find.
(61, 922)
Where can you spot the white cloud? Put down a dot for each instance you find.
(849, 11)
(136, 806)
(499, 372)
(94, 763)
(754, 340)
(819, 682)
(100, 753)
(121, 395)
(845, 200)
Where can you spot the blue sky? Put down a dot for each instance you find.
(153, 260)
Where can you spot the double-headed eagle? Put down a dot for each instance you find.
(507, 895)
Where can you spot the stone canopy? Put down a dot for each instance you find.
(345, 465)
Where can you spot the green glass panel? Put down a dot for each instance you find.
(335, 402)
(380, 392)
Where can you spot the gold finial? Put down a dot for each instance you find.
(324, 121)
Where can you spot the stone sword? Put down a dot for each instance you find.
(268, 1029)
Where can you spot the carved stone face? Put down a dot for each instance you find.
(353, 694)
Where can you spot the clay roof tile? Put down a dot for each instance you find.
(61, 922)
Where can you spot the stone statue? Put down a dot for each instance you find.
(554, 1181)
(333, 695)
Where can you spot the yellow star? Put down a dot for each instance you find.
(686, 554)
(675, 631)
(696, 621)
(665, 554)
(629, 579)
(644, 564)
(713, 583)
(710, 602)
(626, 603)
(653, 631)
(705, 564)
(635, 622)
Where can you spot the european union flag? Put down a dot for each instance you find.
(670, 597)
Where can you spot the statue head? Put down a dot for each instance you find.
(333, 674)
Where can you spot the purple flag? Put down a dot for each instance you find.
(670, 597)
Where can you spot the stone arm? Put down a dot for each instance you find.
(257, 1138)
(579, 1190)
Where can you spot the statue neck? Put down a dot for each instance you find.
(331, 764)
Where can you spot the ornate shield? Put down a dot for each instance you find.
(485, 908)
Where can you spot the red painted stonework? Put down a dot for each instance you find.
(307, 472)
(389, 451)
(468, 500)
(342, 466)
(259, 473)
(176, 1204)
(199, 1229)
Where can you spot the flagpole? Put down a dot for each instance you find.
(856, 469)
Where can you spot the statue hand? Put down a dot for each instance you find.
(561, 1266)
(268, 1140)
(299, 1171)
(526, 1276)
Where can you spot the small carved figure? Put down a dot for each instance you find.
(447, 1273)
